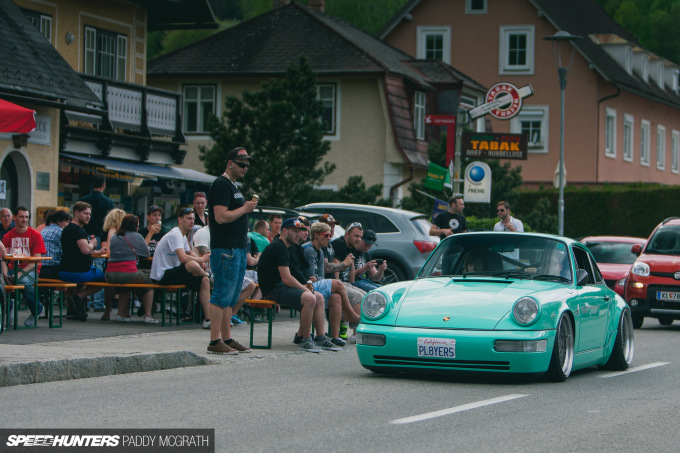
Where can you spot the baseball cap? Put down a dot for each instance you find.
(154, 208)
(238, 153)
(327, 218)
(292, 222)
(369, 237)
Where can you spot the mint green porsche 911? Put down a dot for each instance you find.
(520, 303)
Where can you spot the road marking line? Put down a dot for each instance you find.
(453, 410)
(633, 370)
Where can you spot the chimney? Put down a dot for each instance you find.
(278, 3)
(319, 5)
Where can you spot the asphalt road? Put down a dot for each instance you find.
(308, 402)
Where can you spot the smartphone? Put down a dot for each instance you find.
(378, 263)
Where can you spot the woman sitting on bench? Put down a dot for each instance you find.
(126, 247)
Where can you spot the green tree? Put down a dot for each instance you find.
(542, 217)
(279, 127)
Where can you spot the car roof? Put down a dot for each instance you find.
(630, 239)
(362, 207)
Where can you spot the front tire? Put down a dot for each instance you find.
(637, 321)
(624, 345)
(562, 359)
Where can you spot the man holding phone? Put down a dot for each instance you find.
(367, 272)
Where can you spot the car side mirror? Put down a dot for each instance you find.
(582, 277)
(636, 249)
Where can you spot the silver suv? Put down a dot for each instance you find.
(403, 236)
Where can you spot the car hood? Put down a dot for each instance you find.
(661, 263)
(468, 303)
(614, 271)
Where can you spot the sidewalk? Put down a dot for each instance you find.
(100, 348)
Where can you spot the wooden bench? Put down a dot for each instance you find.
(270, 307)
(177, 289)
(5, 313)
(59, 288)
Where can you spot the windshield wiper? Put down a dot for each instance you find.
(510, 274)
(478, 273)
(558, 278)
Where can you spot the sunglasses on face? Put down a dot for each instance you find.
(326, 235)
(242, 164)
(500, 210)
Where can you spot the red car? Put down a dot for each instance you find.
(614, 257)
(653, 285)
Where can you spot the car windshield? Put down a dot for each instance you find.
(500, 255)
(666, 241)
(612, 252)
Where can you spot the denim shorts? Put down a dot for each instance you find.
(228, 267)
(324, 288)
(93, 275)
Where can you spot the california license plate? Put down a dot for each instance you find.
(668, 296)
(437, 347)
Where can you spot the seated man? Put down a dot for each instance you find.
(278, 284)
(78, 248)
(24, 240)
(175, 264)
(367, 271)
(321, 236)
(51, 235)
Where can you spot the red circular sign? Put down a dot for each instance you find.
(504, 92)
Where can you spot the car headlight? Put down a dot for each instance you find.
(622, 282)
(641, 269)
(374, 304)
(525, 311)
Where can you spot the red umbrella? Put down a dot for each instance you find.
(14, 118)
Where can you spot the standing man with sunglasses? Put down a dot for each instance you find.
(507, 222)
(228, 218)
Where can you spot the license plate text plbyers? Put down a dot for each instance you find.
(437, 347)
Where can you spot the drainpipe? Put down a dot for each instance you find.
(394, 188)
(597, 154)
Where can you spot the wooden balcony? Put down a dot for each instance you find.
(142, 110)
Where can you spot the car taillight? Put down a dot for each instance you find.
(425, 246)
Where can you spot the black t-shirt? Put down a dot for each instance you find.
(273, 256)
(456, 222)
(101, 205)
(298, 263)
(341, 251)
(72, 259)
(232, 235)
(153, 243)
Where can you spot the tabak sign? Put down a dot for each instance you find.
(490, 145)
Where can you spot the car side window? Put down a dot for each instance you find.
(583, 262)
(382, 224)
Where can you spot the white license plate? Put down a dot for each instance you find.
(668, 296)
(437, 347)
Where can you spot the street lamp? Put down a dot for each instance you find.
(557, 39)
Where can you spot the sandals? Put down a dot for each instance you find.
(150, 320)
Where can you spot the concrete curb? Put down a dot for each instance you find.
(62, 370)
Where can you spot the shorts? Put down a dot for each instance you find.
(324, 288)
(354, 294)
(180, 276)
(287, 296)
(251, 274)
(246, 282)
(229, 268)
(93, 275)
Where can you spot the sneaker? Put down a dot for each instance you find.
(323, 342)
(338, 342)
(343, 330)
(221, 348)
(238, 346)
(121, 319)
(206, 324)
(30, 321)
(237, 321)
(150, 320)
(353, 339)
(297, 339)
(308, 345)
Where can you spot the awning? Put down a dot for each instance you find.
(15, 118)
(144, 170)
